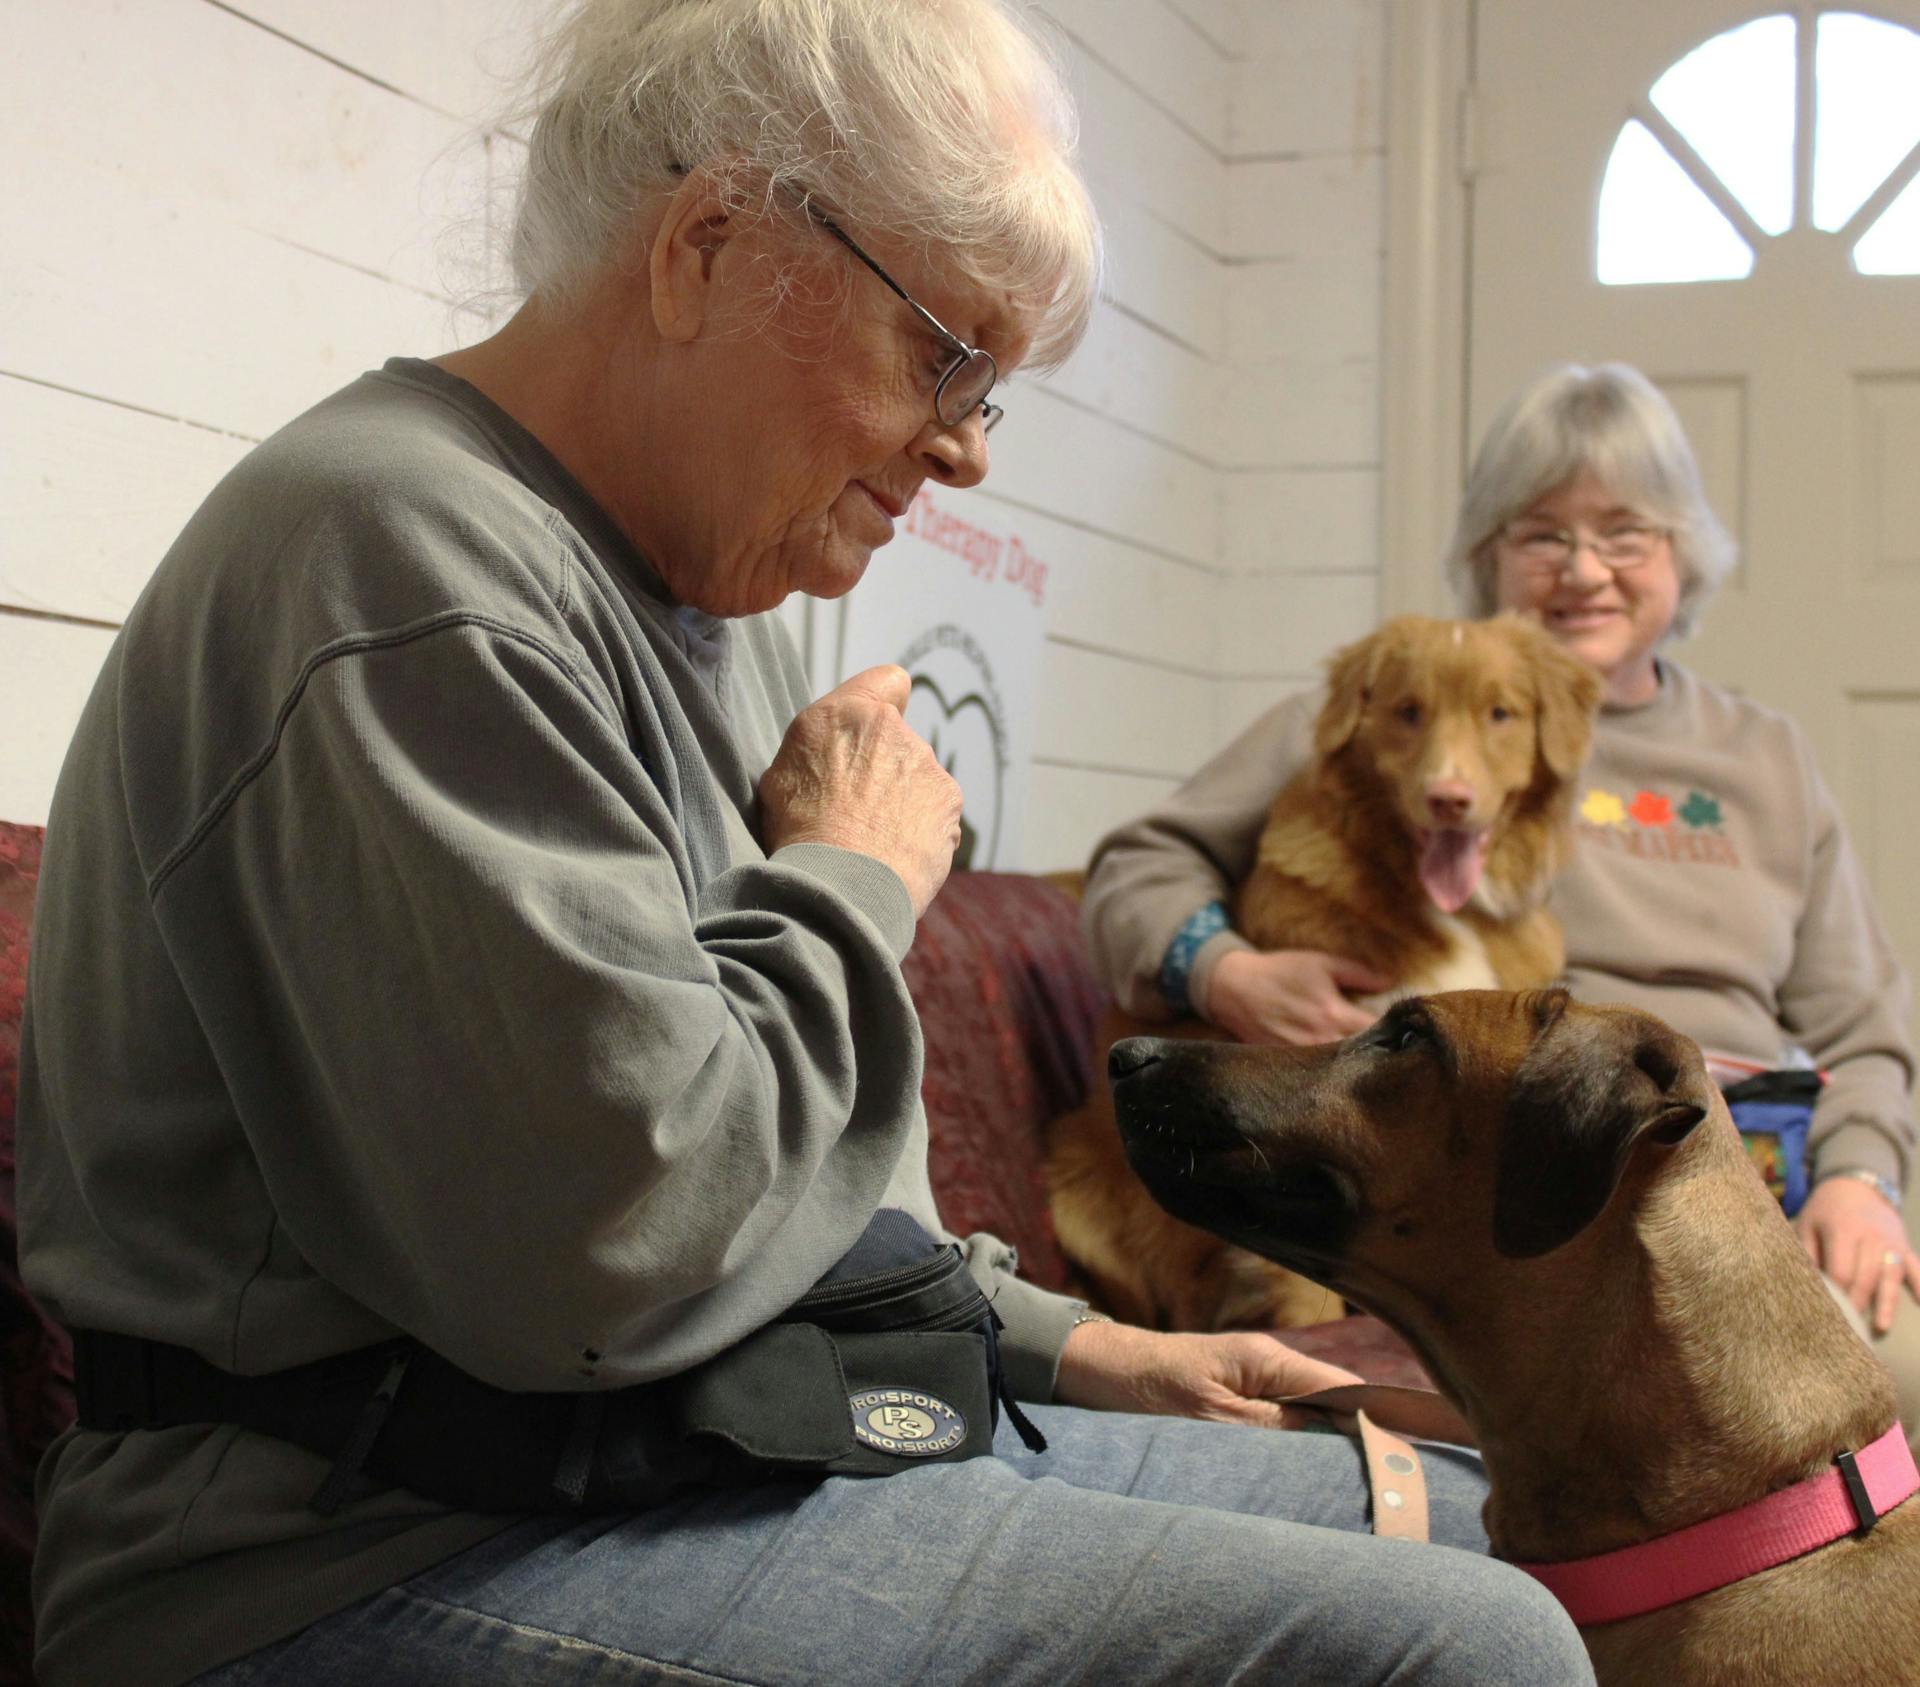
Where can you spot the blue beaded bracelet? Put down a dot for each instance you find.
(1176, 970)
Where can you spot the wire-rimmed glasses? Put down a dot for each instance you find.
(965, 382)
(1544, 548)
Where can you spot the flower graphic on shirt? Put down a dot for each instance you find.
(1603, 808)
(1652, 809)
(1700, 810)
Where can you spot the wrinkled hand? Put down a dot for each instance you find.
(852, 773)
(1234, 1377)
(1289, 995)
(1857, 1237)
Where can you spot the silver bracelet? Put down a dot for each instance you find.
(1087, 1315)
(1888, 1189)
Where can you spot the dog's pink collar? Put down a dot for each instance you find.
(1849, 1499)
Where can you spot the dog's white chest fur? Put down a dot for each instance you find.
(1465, 966)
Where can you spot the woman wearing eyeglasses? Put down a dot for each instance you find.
(1712, 884)
(470, 1110)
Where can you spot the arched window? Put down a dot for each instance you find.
(1714, 161)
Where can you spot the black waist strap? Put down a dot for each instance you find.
(396, 1410)
(913, 1347)
(128, 1382)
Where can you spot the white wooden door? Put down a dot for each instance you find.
(1799, 381)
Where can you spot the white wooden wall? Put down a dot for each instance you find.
(1306, 175)
(220, 210)
(1225, 455)
(217, 212)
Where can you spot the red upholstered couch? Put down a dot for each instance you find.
(36, 1385)
(1010, 1006)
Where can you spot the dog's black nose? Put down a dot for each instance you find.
(1129, 1055)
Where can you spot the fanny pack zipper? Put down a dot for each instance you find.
(872, 1294)
(913, 1276)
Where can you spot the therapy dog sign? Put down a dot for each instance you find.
(959, 600)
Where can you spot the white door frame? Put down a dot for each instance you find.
(1428, 227)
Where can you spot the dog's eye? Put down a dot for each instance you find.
(1408, 714)
(1502, 712)
(1407, 1034)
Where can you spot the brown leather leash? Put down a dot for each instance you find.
(1394, 1475)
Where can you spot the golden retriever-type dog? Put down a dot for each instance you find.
(1551, 1204)
(1420, 841)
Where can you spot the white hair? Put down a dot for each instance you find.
(1609, 421)
(939, 125)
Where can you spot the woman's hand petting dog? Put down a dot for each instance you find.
(1859, 1239)
(1235, 1377)
(1289, 995)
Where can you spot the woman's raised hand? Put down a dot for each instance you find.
(852, 773)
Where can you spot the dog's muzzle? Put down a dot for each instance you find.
(1163, 1114)
(1131, 1055)
(1185, 1140)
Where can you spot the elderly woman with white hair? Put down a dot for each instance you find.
(1712, 884)
(466, 1020)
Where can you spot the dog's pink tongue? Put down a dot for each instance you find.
(1450, 864)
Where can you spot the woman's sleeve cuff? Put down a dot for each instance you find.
(870, 885)
(1176, 967)
(1200, 980)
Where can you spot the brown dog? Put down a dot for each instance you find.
(1420, 842)
(1551, 1204)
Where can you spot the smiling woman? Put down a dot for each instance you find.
(1602, 447)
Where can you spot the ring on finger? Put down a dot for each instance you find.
(1890, 1257)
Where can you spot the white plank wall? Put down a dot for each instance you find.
(236, 205)
(1127, 701)
(221, 212)
(1237, 151)
(1306, 171)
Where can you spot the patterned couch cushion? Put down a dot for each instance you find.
(1365, 1346)
(36, 1368)
(19, 868)
(1009, 1007)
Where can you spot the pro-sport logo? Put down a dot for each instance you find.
(905, 1422)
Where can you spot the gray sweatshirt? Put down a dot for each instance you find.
(1712, 885)
(406, 959)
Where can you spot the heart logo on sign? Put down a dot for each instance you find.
(955, 706)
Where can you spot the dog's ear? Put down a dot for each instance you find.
(1565, 694)
(1351, 673)
(1592, 1090)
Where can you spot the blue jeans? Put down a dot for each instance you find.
(1136, 1549)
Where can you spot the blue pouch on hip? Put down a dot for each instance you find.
(1772, 1111)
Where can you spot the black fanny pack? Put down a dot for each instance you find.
(891, 1360)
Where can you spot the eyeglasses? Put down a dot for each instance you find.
(966, 381)
(1544, 549)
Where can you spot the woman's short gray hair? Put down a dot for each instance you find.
(940, 124)
(1614, 423)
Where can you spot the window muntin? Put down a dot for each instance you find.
(1656, 224)
(1867, 85)
(1704, 172)
(1746, 142)
(1892, 245)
